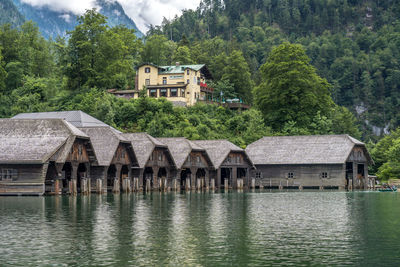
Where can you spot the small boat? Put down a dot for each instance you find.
(392, 188)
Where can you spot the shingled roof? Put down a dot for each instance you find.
(77, 118)
(35, 141)
(317, 149)
(218, 150)
(143, 145)
(105, 142)
(180, 149)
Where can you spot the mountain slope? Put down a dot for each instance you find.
(53, 23)
(10, 14)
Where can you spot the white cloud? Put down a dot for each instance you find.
(77, 7)
(146, 12)
(142, 12)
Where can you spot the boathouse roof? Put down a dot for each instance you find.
(218, 150)
(316, 149)
(105, 143)
(143, 144)
(180, 149)
(35, 141)
(77, 118)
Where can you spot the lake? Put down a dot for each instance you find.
(202, 229)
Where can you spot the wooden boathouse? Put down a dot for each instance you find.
(155, 161)
(115, 159)
(39, 156)
(193, 164)
(310, 162)
(231, 163)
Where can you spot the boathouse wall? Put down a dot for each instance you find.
(22, 179)
(300, 176)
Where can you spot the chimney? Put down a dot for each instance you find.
(177, 64)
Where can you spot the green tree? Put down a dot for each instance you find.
(238, 73)
(155, 50)
(84, 54)
(290, 89)
(182, 55)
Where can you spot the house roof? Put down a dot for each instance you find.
(35, 141)
(218, 150)
(180, 149)
(317, 149)
(105, 142)
(77, 118)
(143, 145)
(179, 69)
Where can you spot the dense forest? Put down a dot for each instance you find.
(306, 67)
(354, 44)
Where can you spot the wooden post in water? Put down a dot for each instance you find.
(99, 185)
(226, 184)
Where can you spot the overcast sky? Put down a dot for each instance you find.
(142, 12)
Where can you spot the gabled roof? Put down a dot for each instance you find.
(35, 141)
(77, 118)
(105, 142)
(218, 150)
(143, 145)
(317, 149)
(181, 148)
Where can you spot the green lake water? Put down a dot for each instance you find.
(202, 229)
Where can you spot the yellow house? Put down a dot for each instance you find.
(183, 85)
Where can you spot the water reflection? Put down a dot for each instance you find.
(202, 229)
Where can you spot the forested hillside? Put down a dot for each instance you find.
(354, 44)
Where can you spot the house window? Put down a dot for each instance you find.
(198, 159)
(359, 154)
(164, 80)
(187, 81)
(153, 93)
(324, 175)
(160, 157)
(163, 92)
(80, 150)
(290, 175)
(147, 70)
(187, 72)
(174, 92)
(238, 159)
(182, 92)
(123, 154)
(198, 80)
(151, 156)
(258, 175)
(8, 174)
(228, 159)
(147, 82)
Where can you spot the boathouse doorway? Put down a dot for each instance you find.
(360, 175)
(66, 174)
(124, 174)
(161, 176)
(349, 174)
(51, 177)
(82, 173)
(111, 175)
(200, 178)
(185, 173)
(148, 175)
(226, 174)
(241, 174)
